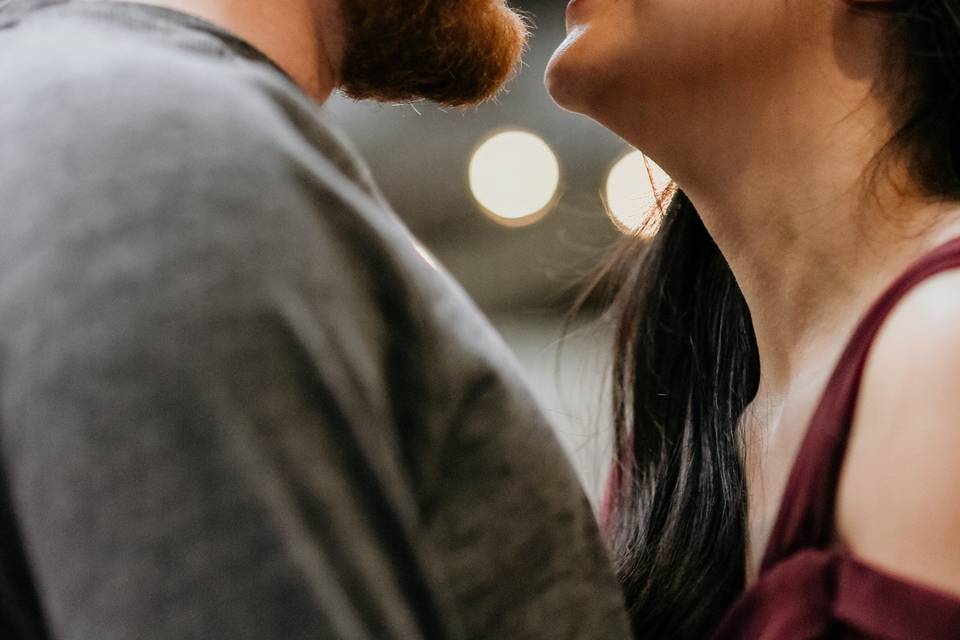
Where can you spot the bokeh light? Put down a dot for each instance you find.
(631, 199)
(515, 176)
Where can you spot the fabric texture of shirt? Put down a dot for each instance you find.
(810, 588)
(236, 400)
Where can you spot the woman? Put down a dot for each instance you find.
(771, 480)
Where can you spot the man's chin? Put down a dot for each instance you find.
(456, 52)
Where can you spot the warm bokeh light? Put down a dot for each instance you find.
(514, 175)
(631, 199)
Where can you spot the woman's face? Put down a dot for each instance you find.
(642, 67)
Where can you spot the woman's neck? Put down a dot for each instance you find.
(813, 222)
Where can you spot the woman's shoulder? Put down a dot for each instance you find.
(897, 506)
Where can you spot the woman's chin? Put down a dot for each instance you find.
(566, 80)
(558, 87)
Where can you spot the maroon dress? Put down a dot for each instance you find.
(809, 586)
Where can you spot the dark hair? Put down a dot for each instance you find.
(686, 363)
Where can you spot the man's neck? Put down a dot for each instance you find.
(302, 37)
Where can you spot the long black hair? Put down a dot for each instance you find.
(686, 363)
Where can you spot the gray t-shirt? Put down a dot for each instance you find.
(236, 400)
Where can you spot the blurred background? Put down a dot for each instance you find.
(520, 201)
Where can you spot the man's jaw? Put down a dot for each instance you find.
(455, 52)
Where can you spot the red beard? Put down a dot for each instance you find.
(455, 52)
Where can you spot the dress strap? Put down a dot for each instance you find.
(806, 517)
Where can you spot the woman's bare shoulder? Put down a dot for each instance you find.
(898, 505)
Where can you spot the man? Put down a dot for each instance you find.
(235, 401)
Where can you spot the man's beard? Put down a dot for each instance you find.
(455, 52)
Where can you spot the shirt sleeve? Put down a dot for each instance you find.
(196, 439)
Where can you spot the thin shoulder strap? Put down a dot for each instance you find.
(807, 510)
